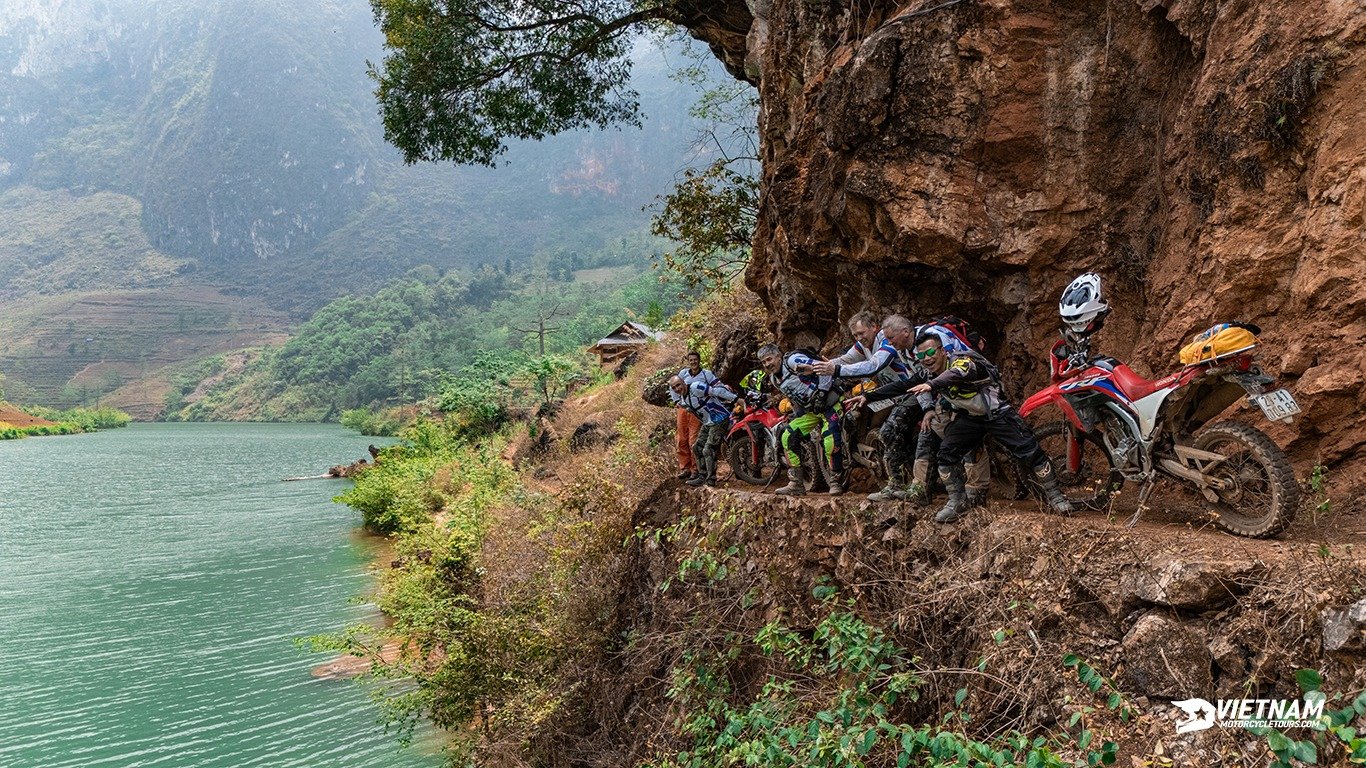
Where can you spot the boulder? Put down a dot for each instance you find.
(1166, 658)
(1344, 627)
(655, 390)
(1190, 585)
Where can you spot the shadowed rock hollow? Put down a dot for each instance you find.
(1207, 158)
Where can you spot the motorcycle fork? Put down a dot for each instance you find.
(756, 445)
(1073, 450)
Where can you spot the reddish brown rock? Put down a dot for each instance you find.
(1207, 158)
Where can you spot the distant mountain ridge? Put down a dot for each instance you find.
(247, 131)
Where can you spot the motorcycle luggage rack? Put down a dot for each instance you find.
(1222, 355)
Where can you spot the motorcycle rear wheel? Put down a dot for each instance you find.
(1091, 486)
(1264, 495)
(1007, 476)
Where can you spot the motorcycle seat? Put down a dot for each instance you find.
(1133, 386)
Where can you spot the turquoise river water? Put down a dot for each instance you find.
(152, 582)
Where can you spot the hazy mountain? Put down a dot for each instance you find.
(230, 152)
(246, 129)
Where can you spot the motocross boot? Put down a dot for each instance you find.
(832, 480)
(1048, 480)
(957, 505)
(706, 472)
(796, 482)
(977, 497)
(889, 493)
(893, 489)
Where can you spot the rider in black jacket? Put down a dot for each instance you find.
(970, 385)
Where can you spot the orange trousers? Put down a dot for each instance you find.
(688, 427)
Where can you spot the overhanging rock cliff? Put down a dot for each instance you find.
(1207, 158)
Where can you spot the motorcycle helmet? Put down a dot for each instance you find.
(1083, 308)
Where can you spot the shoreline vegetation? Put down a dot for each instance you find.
(37, 421)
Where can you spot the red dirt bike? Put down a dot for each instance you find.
(1119, 426)
(753, 447)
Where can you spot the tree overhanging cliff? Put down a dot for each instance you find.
(973, 156)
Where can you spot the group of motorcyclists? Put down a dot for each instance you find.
(945, 399)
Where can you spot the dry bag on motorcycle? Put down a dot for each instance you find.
(1219, 341)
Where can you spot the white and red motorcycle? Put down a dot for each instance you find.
(1118, 426)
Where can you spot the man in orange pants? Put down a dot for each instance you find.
(688, 426)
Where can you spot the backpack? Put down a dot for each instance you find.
(962, 329)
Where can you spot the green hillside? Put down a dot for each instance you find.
(53, 241)
(414, 336)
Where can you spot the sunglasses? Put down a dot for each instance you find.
(927, 353)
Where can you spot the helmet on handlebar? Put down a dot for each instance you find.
(1083, 308)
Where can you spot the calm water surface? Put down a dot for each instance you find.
(152, 580)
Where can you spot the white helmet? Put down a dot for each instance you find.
(1083, 308)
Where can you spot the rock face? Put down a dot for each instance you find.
(1207, 158)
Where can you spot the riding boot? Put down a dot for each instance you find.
(953, 480)
(1048, 480)
(889, 493)
(796, 482)
(832, 480)
(977, 497)
(702, 472)
(918, 492)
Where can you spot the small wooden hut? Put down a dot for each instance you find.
(629, 337)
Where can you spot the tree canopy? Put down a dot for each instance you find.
(462, 77)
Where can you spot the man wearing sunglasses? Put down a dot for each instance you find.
(970, 386)
(976, 465)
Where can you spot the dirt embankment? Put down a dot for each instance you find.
(11, 416)
(1166, 610)
(1206, 157)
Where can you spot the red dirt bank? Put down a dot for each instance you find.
(17, 418)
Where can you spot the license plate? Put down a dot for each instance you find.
(880, 405)
(1277, 405)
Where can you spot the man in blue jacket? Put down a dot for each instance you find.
(711, 403)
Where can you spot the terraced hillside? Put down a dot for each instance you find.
(78, 347)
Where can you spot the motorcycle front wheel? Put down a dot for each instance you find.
(1091, 485)
(740, 455)
(1261, 496)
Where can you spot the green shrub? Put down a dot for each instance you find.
(385, 423)
(87, 419)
